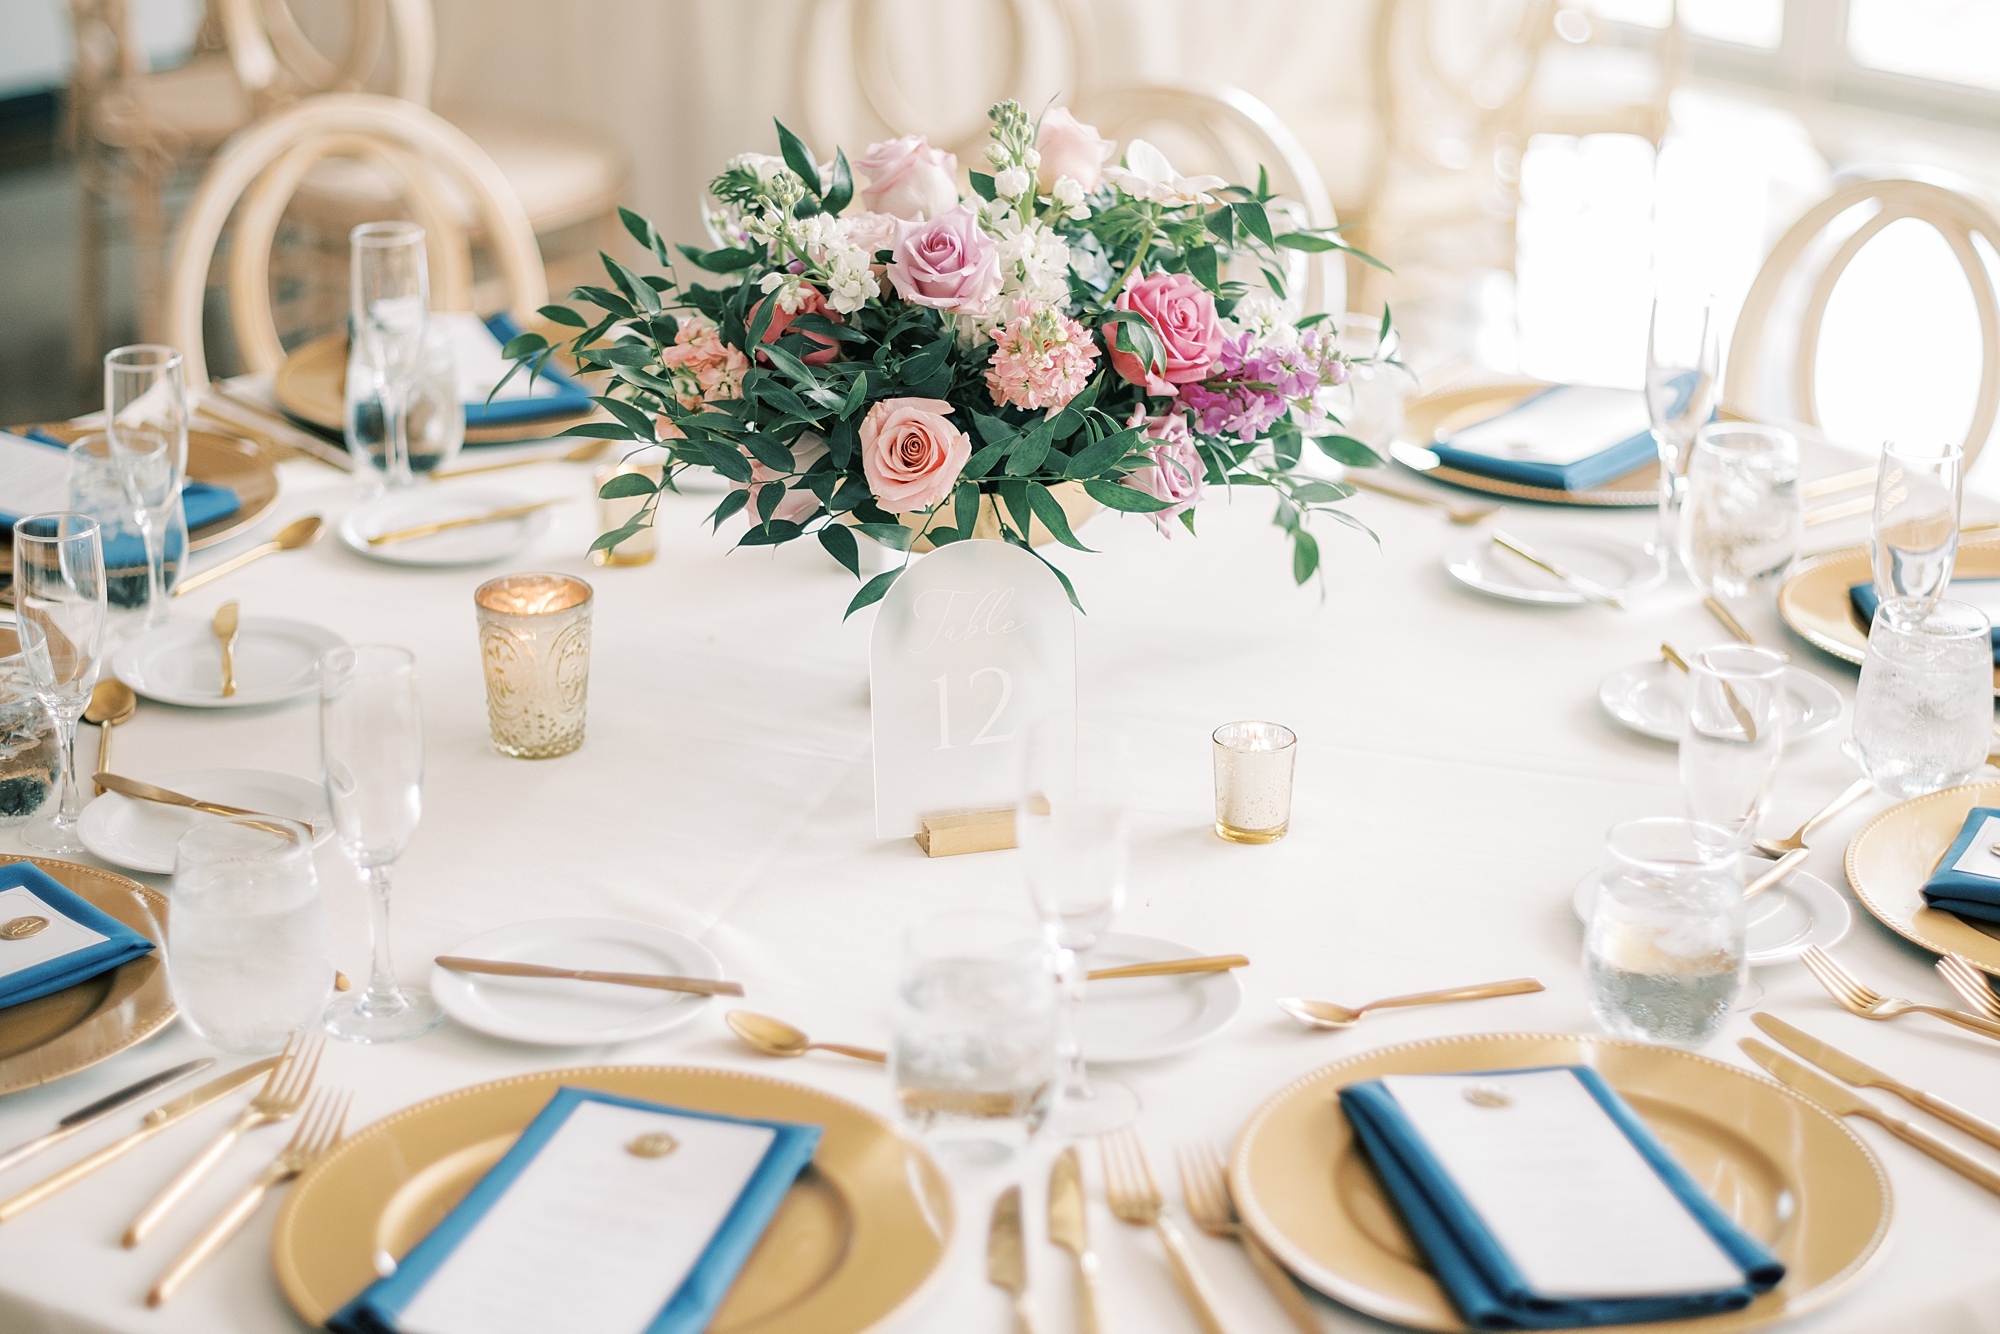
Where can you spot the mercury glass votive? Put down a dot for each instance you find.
(1253, 781)
(534, 639)
(614, 514)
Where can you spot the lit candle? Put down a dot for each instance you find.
(534, 641)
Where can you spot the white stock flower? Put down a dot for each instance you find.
(1011, 182)
(1148, 175)
(790, 287)
(1069, 194)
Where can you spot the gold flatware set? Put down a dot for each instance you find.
(1587, 589)
(224, 623)
(450, 525)
(111, 702)
(699, 986)
(294, 535)
(1205, 1188)
(1325, 1014)
(1856, 997)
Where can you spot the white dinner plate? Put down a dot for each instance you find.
(1144, 1018)
(1780, 923)
(140, 835)
(1652, 698)
(426, 503)
(1478, 562)
(558, 1012)
(181, 663)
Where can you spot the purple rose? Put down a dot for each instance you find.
(948, 263)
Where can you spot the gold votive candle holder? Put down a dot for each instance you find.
(1253, 781)
(612, 515)
(534, 641)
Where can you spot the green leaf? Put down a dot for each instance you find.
(965, 506)
(636, 289)
(726, 460)
(640, 424)
(1307, 242)
(605, 299)
(1092, 460)
(1277, 283)
(982, 185)
(1201, 263)
(923, 363)
(1305, 555)
(717, 261)
(622, 354)
(602, 431)
(797, 370)
(892, 535)
(521, 345)
(769, 497)
(872, 591)
(606, 541)
(1222, 225)
(982, 461)
(1255, 221)
(1382, 334)
(770, 534)
(760, 322)
(563, 315)
(1346, 449)
(1064, 424)
(1187, 522)
(1019, 507)
(1050, 511)
(842, 189)
(665, 328)
(1054, 569)
(772, 453)
(840, 545)
(1130, 499)
(812, 322)
(799, 158)
(737, 498)
(1135, 335)
(1320, 493)
(644, 233)
(841, 441)
(857, 394)
(1029, 450)
(993, 430)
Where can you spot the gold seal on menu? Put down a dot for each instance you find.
(656, 1145)
(20, 928)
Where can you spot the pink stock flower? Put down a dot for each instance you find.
(910, 454)
(1182, 313)
(781, 320)
(1177, 475)
(1041, 359)
(798, 502)
(1070, 148)
(704, 369)
(949, 263)
(908, 178)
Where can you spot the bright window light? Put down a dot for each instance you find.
(1956, 41)
(1758, 23)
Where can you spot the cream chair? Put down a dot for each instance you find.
(1223, 130)
(1589, 82)
(255, 175)
(1801, 274)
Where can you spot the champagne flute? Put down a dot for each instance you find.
(1914, 526)
(372, 750)
(59, 603)
(1682, 359)
(1071, 826)
(391, 310)
(145, 421)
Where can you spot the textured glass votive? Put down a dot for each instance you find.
(1253, 781)
(534, 638)
(643, 545)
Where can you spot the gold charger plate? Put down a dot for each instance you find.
(1894, 853)
(219, 460)
(1427, 417)
(861, 1233)
(1814, 600)
(65, 1031)
(1790, 1173)
(312, 386)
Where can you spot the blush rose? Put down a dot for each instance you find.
(910, 454)
(908, 178)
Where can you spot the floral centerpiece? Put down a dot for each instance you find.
(892, 362)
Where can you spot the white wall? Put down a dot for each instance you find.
(35, 45)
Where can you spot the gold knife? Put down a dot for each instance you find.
(132, 787)
(160, 1118)
(1841, 1065)
(699, 986)
(1831, 1096)
(1069, 1228)
(224, 626)
(426, 529)
(1588, 589)
(1006, 1265)
(1210, 963)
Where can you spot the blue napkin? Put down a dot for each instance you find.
(201, 502)
(1480, 1278)
(691, 1307)
(121, 943)
(569, 398)
(1615, 459)
(1966, 893)
(1866, 601)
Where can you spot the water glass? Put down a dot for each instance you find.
(96, 489)
(145, 417)
(1914, 527)
(29, 756)
(973, 1054)
(534, 639)
(59, 610)
(1663, 956)
(1253, 781)
(1682, 360)
(1375, 389)
(1923, 712)
(1732, 737)
(248, 954)
(434, 423)
(389, 282)
(1744, 515)
(372, 755)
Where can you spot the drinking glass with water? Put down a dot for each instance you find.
(1732, 737)
(1923, 712)
(973, 1053)
(1914, 525)
(1744, 516)
(1663, 957)
(247, 956)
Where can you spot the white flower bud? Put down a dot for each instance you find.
(996, 155)
(1011, 182)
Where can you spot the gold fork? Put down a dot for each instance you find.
(1134, 1197)
(1205, 1187)
(1970, 984)
(284, 1092)
(322, 1126)
(1859, 999)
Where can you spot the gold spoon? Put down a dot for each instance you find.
(775, 1037)
(587, 452)
(1461, 514)
(111, 703)
(298, 533)
(224, 626)
(1325, 1014)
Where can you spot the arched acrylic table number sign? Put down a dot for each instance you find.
(973, 646)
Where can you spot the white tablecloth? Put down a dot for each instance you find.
(1455, 778)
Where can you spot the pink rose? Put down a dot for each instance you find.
(910, 454)
(1177, 474)
(869, 231)
(950, 263)
(798, 501)
(1182, 313)
(908, 178)
(781, 320)
(1070, 148)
